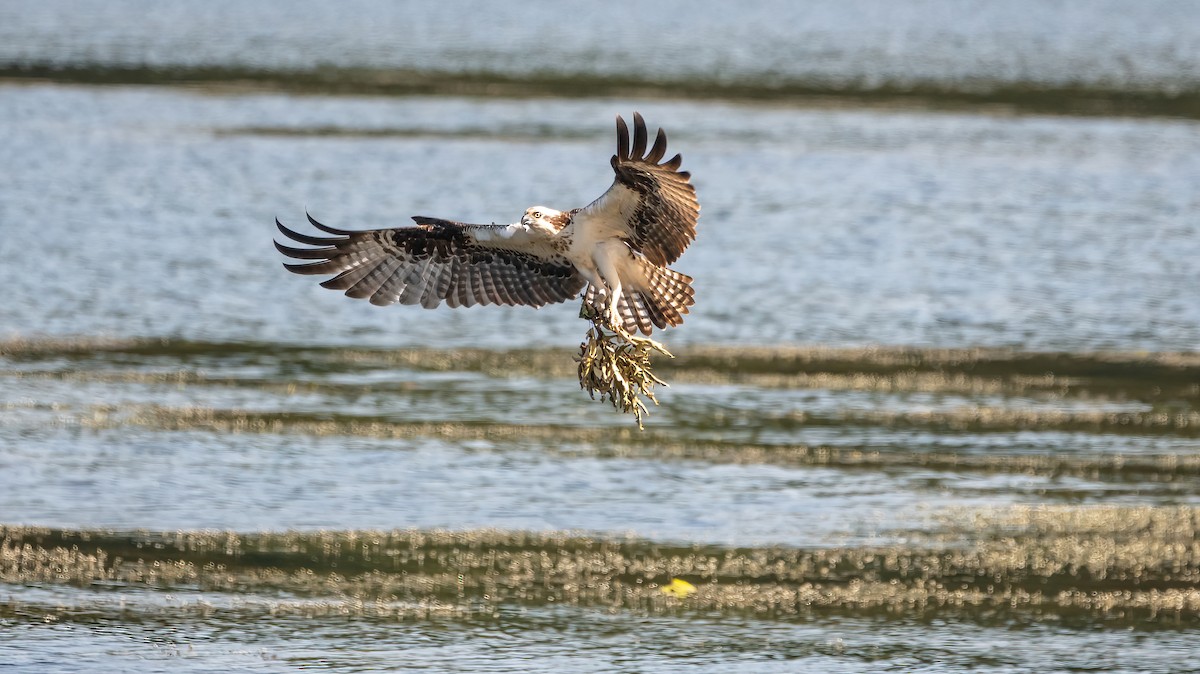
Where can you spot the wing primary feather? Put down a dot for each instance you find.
(622, 139)
(327, 229)
(417, 278)
(639, 137)
(659, 149)
(381, 271)
(306, 253)
(326, 267)
(389, 290)
(305, 238)
(347, 279)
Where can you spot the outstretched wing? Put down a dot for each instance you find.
(651, 204)
(437, 260)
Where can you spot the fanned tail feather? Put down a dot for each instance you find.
(662, 302)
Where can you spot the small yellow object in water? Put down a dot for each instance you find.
(678, 588)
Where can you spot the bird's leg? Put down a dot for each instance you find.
(606, 269)
(604, 312)
(609, 291)
(614, 313)
(601, 310)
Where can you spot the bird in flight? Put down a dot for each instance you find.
(614, 250)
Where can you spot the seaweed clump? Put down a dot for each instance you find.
(616, 365)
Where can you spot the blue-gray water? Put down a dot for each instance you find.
(935, 409)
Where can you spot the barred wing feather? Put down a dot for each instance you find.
(650, 199)
(435, 261)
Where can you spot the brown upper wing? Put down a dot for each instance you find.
(655, 201)
(434, 261)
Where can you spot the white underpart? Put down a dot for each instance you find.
(598, 248)
(613, 262)
(596, 236)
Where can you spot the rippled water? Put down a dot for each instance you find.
(936, 409)
(847, 44)
(156, 209)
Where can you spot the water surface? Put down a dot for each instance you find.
(936, 408)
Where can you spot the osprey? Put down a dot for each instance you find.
(618, 248)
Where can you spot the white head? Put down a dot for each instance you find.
(544, 218)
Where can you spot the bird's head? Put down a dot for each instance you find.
(545, 218)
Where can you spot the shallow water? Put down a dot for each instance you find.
(842, 509)
(937, 407)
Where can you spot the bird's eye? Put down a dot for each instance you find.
(537, 214)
